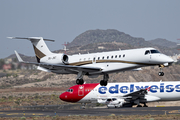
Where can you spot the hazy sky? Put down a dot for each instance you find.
(63, 20)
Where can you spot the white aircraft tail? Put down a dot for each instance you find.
(40, 47)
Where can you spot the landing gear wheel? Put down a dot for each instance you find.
(139, 106)
(161, 73)
(79, 81)
(103, 83)
(145, 106)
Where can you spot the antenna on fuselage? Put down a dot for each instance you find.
(64, 47)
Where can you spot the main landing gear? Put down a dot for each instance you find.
(142, 106)
(161, 73)
(145, 105)
(80, 80)
(105, 80)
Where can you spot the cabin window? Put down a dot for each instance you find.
(98, 58)
(107, 57)
(84, 59)
(94, 59)
(124, 55)
(119, 56)
(102, 57)
(116, 56)
(111, 56)
(147, 52)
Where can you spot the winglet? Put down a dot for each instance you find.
(148, 89)
(18, 57)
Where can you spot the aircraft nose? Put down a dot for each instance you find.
(63, 97)
(169, 59)
(166, 59)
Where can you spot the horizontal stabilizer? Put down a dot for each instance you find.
(18, 57)
(31, 38)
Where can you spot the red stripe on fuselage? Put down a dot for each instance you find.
(79, 92)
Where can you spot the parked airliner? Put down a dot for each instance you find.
(123, 94)
(94, 64)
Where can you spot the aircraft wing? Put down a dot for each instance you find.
(133, 95)
(60, 66)
(138, 93)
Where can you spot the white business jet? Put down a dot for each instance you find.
(94, 64)
(123, 94)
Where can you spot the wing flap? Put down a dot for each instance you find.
(151, 98)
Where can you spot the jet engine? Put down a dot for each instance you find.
(65, 59)
(55, 59)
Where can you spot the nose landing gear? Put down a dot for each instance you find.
(79, 81)
(161, 73)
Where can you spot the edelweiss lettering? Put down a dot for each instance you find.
(125, 89)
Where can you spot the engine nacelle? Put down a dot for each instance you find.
(65, 59)
(55, 59)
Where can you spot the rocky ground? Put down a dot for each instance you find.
(32, 87)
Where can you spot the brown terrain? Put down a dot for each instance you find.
(20, 88)
(32, 87)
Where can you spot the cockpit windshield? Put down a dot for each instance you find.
(154, 51)
(69, 90)
(151, 52)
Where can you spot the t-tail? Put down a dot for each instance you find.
(40, 48)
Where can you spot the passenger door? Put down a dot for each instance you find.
(81, 90)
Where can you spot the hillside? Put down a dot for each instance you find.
(90, 40)
(163, 42)
(109, 35)
(33, 87)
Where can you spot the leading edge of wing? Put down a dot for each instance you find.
(137, 93)
(60, 66)
(79, 68)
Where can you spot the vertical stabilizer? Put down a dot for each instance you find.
(40, 47)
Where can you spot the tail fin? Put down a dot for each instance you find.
(40, 47)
